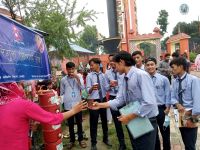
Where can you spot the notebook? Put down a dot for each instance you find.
(138, 126)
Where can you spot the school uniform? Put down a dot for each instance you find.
(137, 86)
(162, 90)
(185, 91)
(111, 75)
(71, 92)
(98, 96)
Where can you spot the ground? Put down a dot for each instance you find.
(176, 141)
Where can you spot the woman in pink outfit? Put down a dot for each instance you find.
(15, 113)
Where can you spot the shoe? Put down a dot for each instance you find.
(82, 144)
(70, 145)
(107, 143)
(66, 136)
(109, 122)
(122, 147)
(93, 147)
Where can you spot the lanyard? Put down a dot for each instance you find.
(73, 85)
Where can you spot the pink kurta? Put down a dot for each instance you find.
(14, 122)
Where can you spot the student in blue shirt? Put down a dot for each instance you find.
(70, 89)
(114, 79)
(185, 96)
(137, 86)
(162, 89)
(137, 56)
(97, 86)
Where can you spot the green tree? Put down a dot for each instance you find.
(191, 29)
(88, 38)
(163, 44)
(59, 18)
(14, 7)
(162, 21)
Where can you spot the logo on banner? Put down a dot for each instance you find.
(18, 36)
(39, 43)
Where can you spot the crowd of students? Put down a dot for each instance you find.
(127, 79)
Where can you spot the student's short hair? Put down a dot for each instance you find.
(137, 53)
(150, 59)
(167, 54)
(95, 60)
(123, 55)
(70, 65)
(175, 54)
(180, 61)
(110, 55)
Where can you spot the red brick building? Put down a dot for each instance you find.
(178, 42)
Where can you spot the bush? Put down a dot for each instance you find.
(192, 56)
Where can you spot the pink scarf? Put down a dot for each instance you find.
(10, 92)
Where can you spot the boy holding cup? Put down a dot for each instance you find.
(97, 86)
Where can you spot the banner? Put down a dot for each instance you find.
(23, 53)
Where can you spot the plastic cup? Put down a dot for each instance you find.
(90, 103)
(96, 85)
(114, 82)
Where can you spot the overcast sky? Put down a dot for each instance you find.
(147, 13)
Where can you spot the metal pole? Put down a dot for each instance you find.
(198, 26)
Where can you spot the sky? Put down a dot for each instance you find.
(147, 13)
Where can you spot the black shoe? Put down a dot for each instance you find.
(108, 143)
(93, 147)
(122, 147)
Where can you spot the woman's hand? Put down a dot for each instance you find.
(82, 105)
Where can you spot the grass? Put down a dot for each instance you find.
(112, 135)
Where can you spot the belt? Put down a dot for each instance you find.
(161, 106)
(98, 100)
(152, 119)
(112, 97)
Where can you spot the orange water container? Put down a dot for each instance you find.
(51, 136)
(54, 146)
(47, 98)
(52, 108)
(52, 133)
(50, 127)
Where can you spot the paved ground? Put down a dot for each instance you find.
(196, 73)
(176, 141)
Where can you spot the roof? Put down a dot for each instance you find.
(147, 36)
(39, 31)
(178, 37)
(79, 49)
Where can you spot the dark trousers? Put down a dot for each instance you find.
(165, 132)
(118, 125)
(78, 118)
(147, 141)
(94, 116)
(189, 137)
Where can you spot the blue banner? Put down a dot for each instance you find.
(23, 53)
